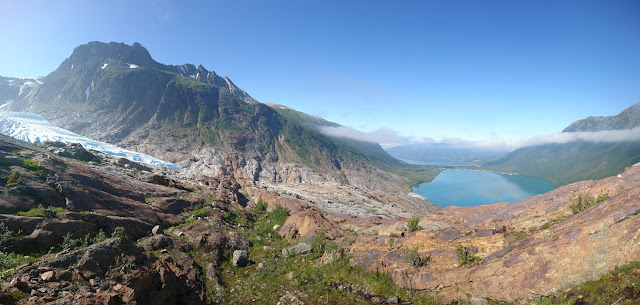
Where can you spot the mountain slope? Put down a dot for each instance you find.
(12, 87)
(202, 122)
(627, 119)
(579, 160)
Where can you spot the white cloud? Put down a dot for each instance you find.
(384, 136)
(605, 136)
(389, 138)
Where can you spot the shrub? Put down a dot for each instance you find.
(412, 257)
(119, 232)
(13, 179)
(317, 244)
(279, 215)
(9, 260)
(5, 233)
(585, 201)
(199, 210)
(41, 211)
(100, 237)
(412, 224)
(74, 243)
(236, 218)
(260, 208)
(465, 257)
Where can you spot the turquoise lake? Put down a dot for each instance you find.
(470, 188)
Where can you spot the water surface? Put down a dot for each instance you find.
(470, 188)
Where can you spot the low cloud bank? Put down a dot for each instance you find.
(605, 136)
(389, 137)
(384, 136)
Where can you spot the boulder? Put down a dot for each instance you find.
(301, 248)
(47, 276)
(240, 258)
(157, 242)
(156, 230)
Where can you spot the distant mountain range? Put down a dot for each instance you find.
(203, 122)
(445, 154)
(578, 160)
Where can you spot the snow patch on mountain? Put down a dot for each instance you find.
(132, 66)
(33, 128)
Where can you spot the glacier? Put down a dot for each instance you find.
(32, 128)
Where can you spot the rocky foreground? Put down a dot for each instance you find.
(536, 247)
(84, 228)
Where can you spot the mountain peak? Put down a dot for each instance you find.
(627, 119)
(97, 53)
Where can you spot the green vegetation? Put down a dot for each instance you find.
(412, 175)
(552, 222)
(412, 224)
(582, 202)
(620, 286)
(41, 211)
(6, 234)
(236, 218)
(412, 257)
(465, 257)
(567, 163)
(301, 133)
(70, 243)
(519, 235)
(33, 167)
(200, 210)
(119, 232)
(266, 283)
(279, 215)
(13, 179)
(10, 260)
(260, 208)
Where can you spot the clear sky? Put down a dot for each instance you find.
(438, 69)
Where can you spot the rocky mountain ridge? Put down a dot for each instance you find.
(200, 121)
(629, 118)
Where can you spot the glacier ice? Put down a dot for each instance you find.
(33, 128)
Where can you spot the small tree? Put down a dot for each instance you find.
(412, 225)
(465, 255)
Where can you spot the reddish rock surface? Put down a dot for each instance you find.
(520, 260)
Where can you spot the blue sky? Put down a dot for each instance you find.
(416, 69)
